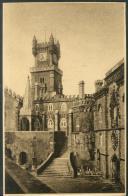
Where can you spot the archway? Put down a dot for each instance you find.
(24, 124)
(37, 125)
(22, 158)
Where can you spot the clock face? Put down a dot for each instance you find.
(42, 56)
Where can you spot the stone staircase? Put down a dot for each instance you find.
(58, 167)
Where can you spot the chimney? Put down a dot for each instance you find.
(81, 89)
(98, 85)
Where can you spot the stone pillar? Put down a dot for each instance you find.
(52, 81)
(36, 91)
(30, 124)
(50, 59)
(70, 129)
(56, 120)
(43, 121)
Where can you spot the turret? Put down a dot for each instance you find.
(58, 49)
(34, 45)
(81, 89)
(98, 85)
(51, 44)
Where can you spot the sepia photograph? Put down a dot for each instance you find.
(64, 81)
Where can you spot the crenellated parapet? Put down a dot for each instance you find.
(51, 46)
(87, 100)
(13, 96)
(66, 98)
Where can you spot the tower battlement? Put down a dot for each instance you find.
(51, 46)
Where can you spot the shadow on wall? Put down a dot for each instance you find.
(60, 143)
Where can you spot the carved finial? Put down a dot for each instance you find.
(34, 38)
(51, 39)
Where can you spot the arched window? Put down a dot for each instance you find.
(37, 125)
(50, 107)
(77, 124)
(63, 123)
(100, 113)
(41, 80)
(123, 98)
(37, 107)
(24, 124)
(50, 123)
(63, 107)
(101, 139)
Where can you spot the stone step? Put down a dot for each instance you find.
(56, 169)
(56, 176)
(62, 158)
(55, 173)
(58, 163)
(58, 166)
(49, 172)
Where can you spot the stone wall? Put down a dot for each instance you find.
(109, 126)
(79, 145)
(35, 144)
(12, 105)
(100, 113)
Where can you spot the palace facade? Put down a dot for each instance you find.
(46, 124)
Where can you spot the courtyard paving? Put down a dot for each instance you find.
(38, 184)
(80, 185)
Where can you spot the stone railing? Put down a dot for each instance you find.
(43, 165)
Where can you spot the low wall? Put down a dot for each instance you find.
(35, 144)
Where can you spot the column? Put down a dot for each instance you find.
(30, 124)
(70, 125)
(43, 121)
(56, 120)
(36, 91)
(52, 81)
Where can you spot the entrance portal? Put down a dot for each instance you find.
(23, 158)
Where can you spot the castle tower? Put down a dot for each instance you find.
(46, 77)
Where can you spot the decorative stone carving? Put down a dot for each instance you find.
(115, 139)
(114, 107)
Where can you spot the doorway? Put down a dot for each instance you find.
(23, 158)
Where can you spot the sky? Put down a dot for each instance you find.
(91, 36)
